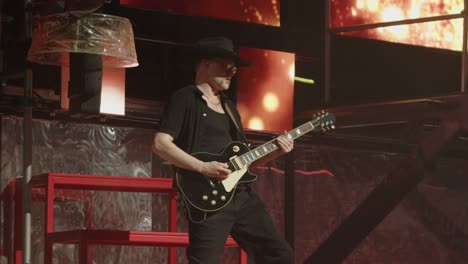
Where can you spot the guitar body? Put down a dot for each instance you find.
(210, 194)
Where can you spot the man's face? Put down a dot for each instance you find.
(221, 72)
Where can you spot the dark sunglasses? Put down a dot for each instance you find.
(231, 68)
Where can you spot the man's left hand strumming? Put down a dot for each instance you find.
(286, 144)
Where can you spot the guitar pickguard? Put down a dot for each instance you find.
(231, 181)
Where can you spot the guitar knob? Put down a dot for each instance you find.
(235, 149)
(205, 197)
(223, 198)
(213, 202)
(214, 192)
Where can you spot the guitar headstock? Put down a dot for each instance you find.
(324, 120)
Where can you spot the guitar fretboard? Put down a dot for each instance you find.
(265, 149)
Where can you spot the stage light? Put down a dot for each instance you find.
(303, 80)
(292, 71)
(112, 99)
(270, 102)
(93, 49)
(256, 123)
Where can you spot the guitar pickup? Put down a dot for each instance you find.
(235, 163)
(231, 166)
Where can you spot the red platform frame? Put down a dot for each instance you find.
(54, 182)
(7, 209)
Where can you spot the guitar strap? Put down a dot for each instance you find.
(233, 119)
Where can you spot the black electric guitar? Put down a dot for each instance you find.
(210, 194)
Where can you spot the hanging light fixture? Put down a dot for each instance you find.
(93, 50)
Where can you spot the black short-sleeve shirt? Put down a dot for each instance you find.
(182, 116)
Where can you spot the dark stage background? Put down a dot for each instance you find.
(429, 226)
(330, 179)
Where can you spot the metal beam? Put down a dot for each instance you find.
(27, 139)
(395, 23)
(464, 73)
(391, 112)
(327, 70)
(377, 205)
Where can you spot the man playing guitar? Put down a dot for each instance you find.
(200, 118)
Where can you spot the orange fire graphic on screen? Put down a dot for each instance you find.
(254, 11)
(446, 34)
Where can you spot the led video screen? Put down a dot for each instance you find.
(445, 34)
(265, 90)
(252, 11)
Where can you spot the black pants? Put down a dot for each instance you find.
(248, 222)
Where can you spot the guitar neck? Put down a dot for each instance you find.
(270, 146)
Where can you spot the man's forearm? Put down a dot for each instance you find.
(170, 152)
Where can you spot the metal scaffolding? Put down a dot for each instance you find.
(27, 138)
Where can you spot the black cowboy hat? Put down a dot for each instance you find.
(219, 47)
